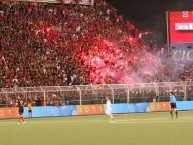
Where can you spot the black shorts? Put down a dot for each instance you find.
(29, 111)
(173, 105)
(20, 111)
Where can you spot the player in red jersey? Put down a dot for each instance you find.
(21, 110)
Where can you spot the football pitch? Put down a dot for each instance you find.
(126, 129)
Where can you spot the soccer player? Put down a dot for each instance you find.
(109, 109)
(29, 106)
(21, 109)
(173, 104)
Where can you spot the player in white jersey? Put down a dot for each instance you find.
(108, 110)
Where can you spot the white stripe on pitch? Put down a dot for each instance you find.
(153, 119)
(150, 122)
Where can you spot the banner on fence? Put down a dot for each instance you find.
(159, 106)
(71, 110)
(184, 105)
(51, 111)
(8, 113)
(89, 109)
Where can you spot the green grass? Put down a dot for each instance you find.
(129, 129)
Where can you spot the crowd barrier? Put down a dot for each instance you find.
(159, 106)
(83, 2)
(73, 110)
(185, 105)
(8, 113)
(130, 108)
(89, 109)
(49, 111)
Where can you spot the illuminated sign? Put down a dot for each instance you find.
(184, 26)
(181, 27)
(183, 55)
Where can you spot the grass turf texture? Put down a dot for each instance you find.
(126, 129)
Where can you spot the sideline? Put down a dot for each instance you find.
(154, 120)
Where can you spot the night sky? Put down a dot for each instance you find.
(150, 15)
(141, 10)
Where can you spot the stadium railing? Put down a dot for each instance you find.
(96, 94)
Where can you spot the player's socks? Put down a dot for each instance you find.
(171, 114)
(19, 119)
(22, 119)
(176, 114)
(111, 117)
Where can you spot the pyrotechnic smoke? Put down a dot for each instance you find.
(116, 64)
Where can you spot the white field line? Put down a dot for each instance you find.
(150, 122)
(153, 119)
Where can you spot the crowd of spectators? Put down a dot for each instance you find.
(44, 44)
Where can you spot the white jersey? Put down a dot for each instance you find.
(108, 104)
(108, 110)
